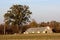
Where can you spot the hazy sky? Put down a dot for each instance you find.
(42, 10)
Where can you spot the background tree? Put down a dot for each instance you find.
(55, 26)
(1, 29)
(43, 24)
(33, 23)
(17, 15)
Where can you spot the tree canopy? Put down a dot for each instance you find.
(17, 15)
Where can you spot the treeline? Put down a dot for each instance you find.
(11, 29)
(54, 25)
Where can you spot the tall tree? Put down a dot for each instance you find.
(17, 15)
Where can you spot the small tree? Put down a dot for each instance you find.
(33, 24)
(17, 15)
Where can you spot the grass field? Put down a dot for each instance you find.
(54, 36)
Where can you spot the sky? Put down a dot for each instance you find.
(42, 10)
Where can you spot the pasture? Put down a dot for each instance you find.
(53, 36)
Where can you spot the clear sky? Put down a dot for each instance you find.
(42, 10)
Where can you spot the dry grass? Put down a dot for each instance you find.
(54, 36)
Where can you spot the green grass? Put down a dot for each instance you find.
(31, 36)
